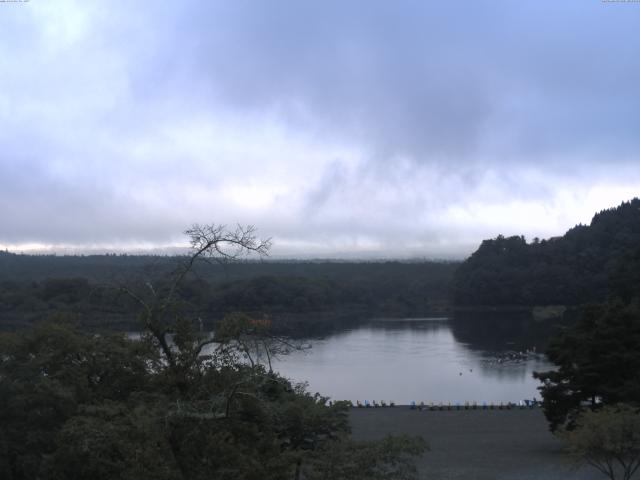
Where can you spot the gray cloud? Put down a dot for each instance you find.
(431, 79)
(335, 126)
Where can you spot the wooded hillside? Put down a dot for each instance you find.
(587, 264)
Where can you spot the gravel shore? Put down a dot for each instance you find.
(476, 444)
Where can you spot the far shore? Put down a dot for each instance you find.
(411, 319)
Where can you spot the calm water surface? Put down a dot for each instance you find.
(419, 360)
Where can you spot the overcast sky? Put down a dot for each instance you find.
(339, 128)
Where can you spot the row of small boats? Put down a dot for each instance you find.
(523, 404)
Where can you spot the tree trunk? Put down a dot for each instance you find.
(298, 469)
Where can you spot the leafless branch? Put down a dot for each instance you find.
(216, 242)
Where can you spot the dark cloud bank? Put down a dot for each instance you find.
(339, 128)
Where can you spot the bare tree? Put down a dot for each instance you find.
(210, 243)
(255, 339)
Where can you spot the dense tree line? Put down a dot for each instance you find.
(587, 264)
(598, 363)
(112, 267)
(592, 398)
(278, 289)
(75, 405)
(596, 270)
(176, 404)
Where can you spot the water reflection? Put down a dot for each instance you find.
(497, 331)
(431, 360)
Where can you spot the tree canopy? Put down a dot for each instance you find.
(587, 264)
(302, 295)
(175, 404)
(608, 440)
(598, 363)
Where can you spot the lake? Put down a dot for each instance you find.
(430, 360)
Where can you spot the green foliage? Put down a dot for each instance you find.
(607, 439)
(587, 264)
(598, 362)
(76, 405)
(174, 404)
(47, 374)
(113, 441)
(84, 286)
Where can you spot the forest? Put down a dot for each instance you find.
(101, 406)
(75, 404)
(589, 263)
(88, 288)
